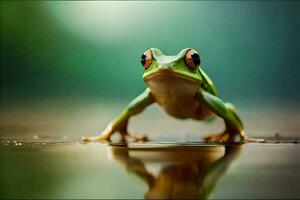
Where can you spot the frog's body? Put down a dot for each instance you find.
(183, 90)
(177, 95)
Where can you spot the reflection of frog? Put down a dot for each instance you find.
(183, 90)
(181, 174)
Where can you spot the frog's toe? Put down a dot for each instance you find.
(87, 139)
(136, 138)
(95, 139)
(223, 138)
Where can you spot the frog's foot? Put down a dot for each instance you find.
(135, 138)
(223, 137)
(102, 137)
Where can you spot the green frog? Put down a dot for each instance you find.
(178, 85)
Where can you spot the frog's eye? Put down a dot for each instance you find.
(146, 59)
(192, 59)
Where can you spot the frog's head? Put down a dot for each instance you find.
(184, 65)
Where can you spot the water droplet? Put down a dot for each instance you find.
(35, 137)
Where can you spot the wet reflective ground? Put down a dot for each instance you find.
(40, 156)
(152, 170)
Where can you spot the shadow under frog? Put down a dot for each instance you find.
(177, 171)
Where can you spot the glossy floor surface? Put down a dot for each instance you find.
(41, 156)
(152, 170)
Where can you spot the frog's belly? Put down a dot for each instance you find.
(177, 95)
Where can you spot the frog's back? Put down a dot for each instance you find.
(177, 95)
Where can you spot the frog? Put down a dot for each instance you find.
(179, 85)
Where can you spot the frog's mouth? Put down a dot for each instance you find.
(166, 75)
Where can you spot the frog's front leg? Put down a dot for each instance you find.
(120, 124)
(233, 123)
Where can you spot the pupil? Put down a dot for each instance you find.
(143, 59)
(196, 59)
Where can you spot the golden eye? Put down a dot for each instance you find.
(192, 59)
(146, 59)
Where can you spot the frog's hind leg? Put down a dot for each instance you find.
(244, 137)
(234, 125)
(122, 129)
(108, 132)
(120, 124)
(125, 136)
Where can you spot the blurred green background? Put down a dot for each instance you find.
(68, 68)
(91, 50)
